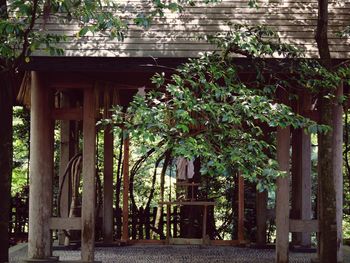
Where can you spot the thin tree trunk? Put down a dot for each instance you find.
(6, 152)
(327, 194)
(326, 201)
(118, 211)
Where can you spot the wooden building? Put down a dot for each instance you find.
(123, 67)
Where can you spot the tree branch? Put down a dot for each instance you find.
(321, 32)
(26, 42)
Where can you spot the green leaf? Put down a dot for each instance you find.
(83, 31)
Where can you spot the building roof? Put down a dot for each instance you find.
(176, 35)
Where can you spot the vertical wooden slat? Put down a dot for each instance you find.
(296, 197)
(89, 187)
(125, 234)
(337, 166)
(205, 215)
(306, 205)
(41, 170)
(175, 221)
(240, 234)
(108, 186)
(108, 176)
(168, 223)
(301, 174)
(261, 218)
(282, 196)
(65, 155)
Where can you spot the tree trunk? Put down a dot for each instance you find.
(327, 195)
(327, 207)
(118, 212)
(6, 150)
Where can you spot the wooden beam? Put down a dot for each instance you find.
(226, 242)
(125, 233)
(205, 215)
(282, 197)
(178, 203)
(147, 241)
(300, 226)
(108, 187)
(65, 154)
(301, 174)
(89, 186)
(163, 242)
(240, 233)
(186, 241)
(74, 114)
(65, 223)
(41, 170)
(261, 218)
(168, 222)
(71, 84)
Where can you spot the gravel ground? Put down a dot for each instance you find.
(174, 254)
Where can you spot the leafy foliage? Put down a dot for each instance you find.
(206, 110)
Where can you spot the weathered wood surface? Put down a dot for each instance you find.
(176, 35)
(200, 203)
(108, 175)
(282, 197)
(41, 170)
(301, 174)
(65, 154)
(261, 218)
(89, 186)
(66, 114)
(299, 226)
(65, 223)
(240, 233)
(338, 167)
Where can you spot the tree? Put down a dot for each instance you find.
(327, 193)
(206, 110)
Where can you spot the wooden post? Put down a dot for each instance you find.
(108, 187)
(41, 170)
(125, 234)
(282, 196)
(168, 223)
(205, 215)
(89, 185)
(261, 218)
(301, 175)
(306, 202)
(301, 183)
(65, 155)
(337, 166)
(240, 234)
(175, 221)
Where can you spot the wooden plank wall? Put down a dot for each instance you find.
(176, 35)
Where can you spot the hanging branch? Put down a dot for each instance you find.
(136, 167)
(148, 204)
(26, 41)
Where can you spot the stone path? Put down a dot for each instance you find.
(174, 254)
